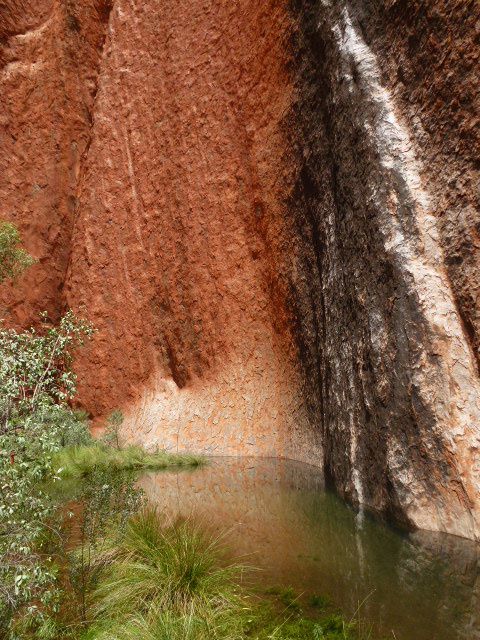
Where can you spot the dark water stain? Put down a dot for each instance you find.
(280, 518)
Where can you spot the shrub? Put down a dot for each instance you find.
(13, 259)
(36, 382)
(112, 435)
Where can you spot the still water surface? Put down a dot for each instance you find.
(281, 519)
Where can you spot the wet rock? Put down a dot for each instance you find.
(398, 378)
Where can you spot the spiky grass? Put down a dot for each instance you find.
(167, 582)
(78, 462)
(159, 582)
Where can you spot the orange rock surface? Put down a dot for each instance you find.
(180, 216)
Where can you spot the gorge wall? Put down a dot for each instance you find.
(268, 212)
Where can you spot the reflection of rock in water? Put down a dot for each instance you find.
(254, 499)
(424, 586)
(454, 565)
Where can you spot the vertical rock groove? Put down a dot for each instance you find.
(182, 231)
(49, 54)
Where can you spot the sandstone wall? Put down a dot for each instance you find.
(49, 54)
(268, 211)
(400, 393)
(180, 231)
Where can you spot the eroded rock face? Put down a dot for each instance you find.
(49, 54)
(267, 210)
(400, 388)
(180, 231)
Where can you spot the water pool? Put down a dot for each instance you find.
(280, 518)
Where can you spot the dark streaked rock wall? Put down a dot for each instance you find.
(390, 366)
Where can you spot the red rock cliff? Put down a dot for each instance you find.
(268, 212)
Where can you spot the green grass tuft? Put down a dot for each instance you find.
(78, 462)
(166, 583)
(162, 582)
(318, 602)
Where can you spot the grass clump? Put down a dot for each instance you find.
(318, 602)
(81, 461)
(161, 582)
(166, 583)
(286, 619)
(296, 629)
(285, 596)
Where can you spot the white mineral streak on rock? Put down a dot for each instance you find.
(356, 473)
(444, 372)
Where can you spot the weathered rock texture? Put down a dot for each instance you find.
(49, 55)
(400, 393)
(180, 212)
(268, 211)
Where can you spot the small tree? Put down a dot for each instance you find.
(36, 383)
(112, 431)
(13, 259)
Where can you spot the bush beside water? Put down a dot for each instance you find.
(161, 581)
(102, 566)
(36, 425)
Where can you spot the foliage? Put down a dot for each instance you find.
(129, 577)
(286, 596)
(112, 432)
(172, 582)
(102, 504)
(13, 259)
(318, 602)
(286, 619)
(107, 501)
(35, 370)
(80, 461)
(35, 422)
(331, 627)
